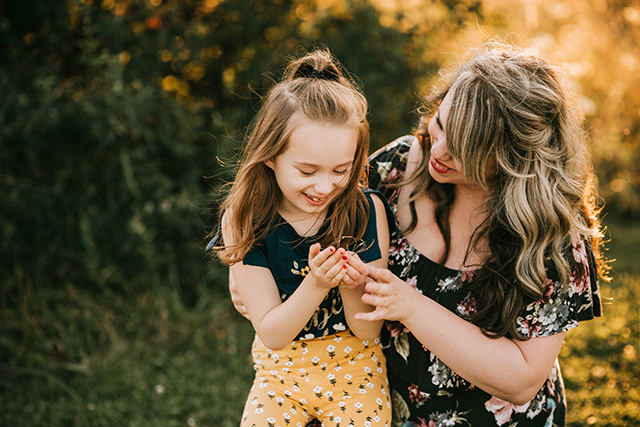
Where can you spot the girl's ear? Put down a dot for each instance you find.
(269, 163)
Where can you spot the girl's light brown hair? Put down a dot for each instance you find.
(314, 88)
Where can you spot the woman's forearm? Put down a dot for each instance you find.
(510, 370)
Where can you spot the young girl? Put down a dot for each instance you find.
(297, 229)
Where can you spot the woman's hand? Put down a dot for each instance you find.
(508, 369)
(235, 298)
(393, 298)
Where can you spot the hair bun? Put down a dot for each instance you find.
(308, 71)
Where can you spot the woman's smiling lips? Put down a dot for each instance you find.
(439, 167)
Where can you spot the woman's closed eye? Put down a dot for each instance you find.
(438, 122)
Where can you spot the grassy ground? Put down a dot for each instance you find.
(601, 358)
(146, 360)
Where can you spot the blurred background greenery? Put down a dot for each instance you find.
(118, 119)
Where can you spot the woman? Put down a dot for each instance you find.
(496, 258)
(498, 249)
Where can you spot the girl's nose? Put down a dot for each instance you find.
(325, 184)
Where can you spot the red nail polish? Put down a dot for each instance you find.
(345, 266)
(344, 257)
(331, 249)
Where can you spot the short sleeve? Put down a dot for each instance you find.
(565, 305)
(257, 256)
(387, 165)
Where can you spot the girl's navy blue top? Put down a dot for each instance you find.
(286, 254)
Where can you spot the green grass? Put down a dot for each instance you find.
(601, 358)
(151, 363)
(147, 360)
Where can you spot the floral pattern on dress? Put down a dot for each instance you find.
(426, 392)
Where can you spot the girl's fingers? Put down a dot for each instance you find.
(347, 282)
(317, 257)
(337, 273)
(354, 275)
(314, 250)
(357, 264)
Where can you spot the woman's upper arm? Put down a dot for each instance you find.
(540, 354)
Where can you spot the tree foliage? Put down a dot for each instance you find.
(114, 112)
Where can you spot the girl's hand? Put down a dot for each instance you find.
(393, 298)
(356, 272)
(329, 266)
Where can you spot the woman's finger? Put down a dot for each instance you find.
(371, 316)
(380, 274)
(378, 289)
(375, 300)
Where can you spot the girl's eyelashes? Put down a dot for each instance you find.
(311, 173)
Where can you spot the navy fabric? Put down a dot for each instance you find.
(285, 253)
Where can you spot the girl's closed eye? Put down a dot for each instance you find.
(342, 172)
(307, 173)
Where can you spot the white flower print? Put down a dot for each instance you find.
(452, 283)
(502, 410)
(383, 169)
(447, 418)
(442, 376)
(402, 253)
(339, 327)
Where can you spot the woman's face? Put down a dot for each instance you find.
(443, 166)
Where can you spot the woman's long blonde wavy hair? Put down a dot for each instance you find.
(314, 88)
(516, 112)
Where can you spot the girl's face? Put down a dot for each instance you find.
(315, 168)
(443, 166)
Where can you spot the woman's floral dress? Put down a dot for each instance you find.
(424, 390)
